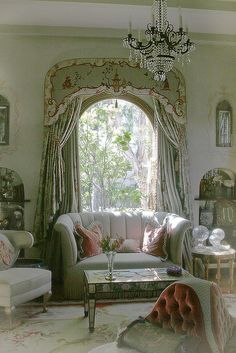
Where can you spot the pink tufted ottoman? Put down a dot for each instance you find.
(189, 316)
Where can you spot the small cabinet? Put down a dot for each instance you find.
(217, 202)
(12, 200)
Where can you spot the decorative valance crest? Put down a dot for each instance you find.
(86, 77)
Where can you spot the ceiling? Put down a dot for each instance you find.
(206, 19)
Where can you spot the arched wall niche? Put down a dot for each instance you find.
(217, 202)
(11, 200)
(114, 78)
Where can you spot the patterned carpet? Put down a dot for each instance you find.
(63, 329)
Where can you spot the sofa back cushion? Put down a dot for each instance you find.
(126, 225)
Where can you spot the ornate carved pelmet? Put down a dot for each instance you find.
(116, 77)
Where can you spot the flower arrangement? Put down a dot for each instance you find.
(108, 244)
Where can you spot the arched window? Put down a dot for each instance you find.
(116, 153)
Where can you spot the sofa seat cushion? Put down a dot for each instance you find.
(17, 282)
(122, 261)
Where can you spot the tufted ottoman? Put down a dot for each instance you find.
(19, 285)
(189, 316)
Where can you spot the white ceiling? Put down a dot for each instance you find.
(116, 15)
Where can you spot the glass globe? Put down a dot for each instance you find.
(216, 237)
(200, 234)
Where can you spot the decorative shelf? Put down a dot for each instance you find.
(14, 201)
(213, 199)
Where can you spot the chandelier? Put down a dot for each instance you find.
(162, 46)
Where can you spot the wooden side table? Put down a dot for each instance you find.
(210, 256)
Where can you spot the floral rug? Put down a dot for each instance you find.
(63, 329)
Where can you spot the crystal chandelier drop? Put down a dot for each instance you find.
(162, 46)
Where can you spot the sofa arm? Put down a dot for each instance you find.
(64, 229)
(176, 228)
(20, 239)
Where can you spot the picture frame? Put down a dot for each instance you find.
(224, 124)
(4, 121)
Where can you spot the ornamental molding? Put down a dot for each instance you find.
(115, 77)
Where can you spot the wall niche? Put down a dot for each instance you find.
(217, 202)
(12, 200)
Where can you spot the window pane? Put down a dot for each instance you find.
(116, 150)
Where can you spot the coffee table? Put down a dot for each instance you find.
(128, 284)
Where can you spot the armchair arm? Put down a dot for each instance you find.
(20, 239)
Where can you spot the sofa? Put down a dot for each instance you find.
(128, 225)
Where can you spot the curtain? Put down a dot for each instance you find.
(173, 187)
(58, 174)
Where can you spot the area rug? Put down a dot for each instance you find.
(63, 329)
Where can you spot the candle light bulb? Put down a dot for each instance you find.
(139, 36)
(130, 28)
(180, 18)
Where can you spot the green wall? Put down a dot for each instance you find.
(25, 60)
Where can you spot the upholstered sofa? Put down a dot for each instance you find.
(128, 225)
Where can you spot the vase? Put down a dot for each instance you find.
(216, 237)
(110, 263)
(200, 234)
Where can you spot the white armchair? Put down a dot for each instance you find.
(20, 285)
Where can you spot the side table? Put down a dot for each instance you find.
(208, 255)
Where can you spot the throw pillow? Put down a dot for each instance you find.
(130, 245)
(79, 241)
(155, 238)
(91, 241)
(7, 253)
(148, 234)
(97, 228)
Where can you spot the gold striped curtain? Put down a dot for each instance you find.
(59, 171)
(173, 187)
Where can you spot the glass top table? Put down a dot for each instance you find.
(128, 284)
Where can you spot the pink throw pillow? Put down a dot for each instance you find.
(7, 253)
(97, 228)
(91, 241)
(155, 238)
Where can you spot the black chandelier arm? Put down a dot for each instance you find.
(162, 44)
(137, 45)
